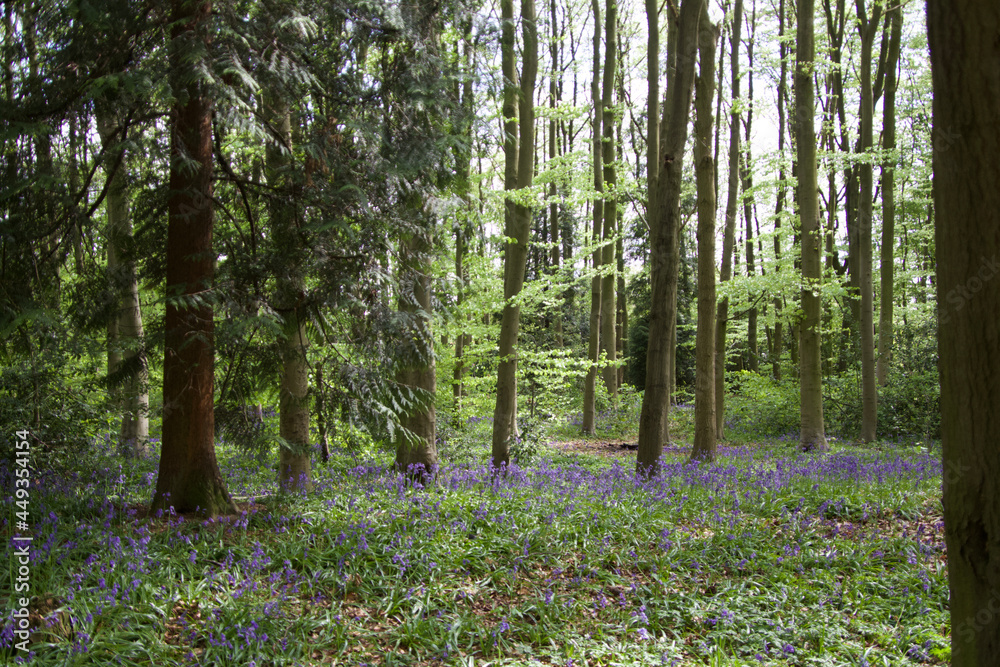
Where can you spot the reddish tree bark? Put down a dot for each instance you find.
(189, 477)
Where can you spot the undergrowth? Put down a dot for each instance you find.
(766, 557)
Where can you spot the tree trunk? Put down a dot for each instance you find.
(608, 310)
(746, 178)
(779, 206)
(812, 435)
(705, 396)
(664, 230)
(416, 445)
(729, 232)
(126, 347)
(463, 230)
(321, 418)
(594, 342)
(652, 101)
(554, 89)
(189, 478)
(888, 201)
(294, 472)
(869, 389)
(519, 216)
(963, 42)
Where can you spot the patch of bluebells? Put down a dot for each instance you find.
(106, 564)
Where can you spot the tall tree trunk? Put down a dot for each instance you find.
(416, 445)
(519, 217)
(126, 347)
(294, 472)
(594, 342)
(869, 389)
(812, 433)
(664, 230)
(779, 206)
(189, 478)
(74, 185)
(621, 307)
(463, 230)
(652, 101)
(554, 144)
(653, 113)
(964, 52)
(729, 232)
(704, 384)
(746, 178)
(608, 309)
(888, 201)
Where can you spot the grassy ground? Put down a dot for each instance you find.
(767, 557)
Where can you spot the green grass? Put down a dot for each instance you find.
(766, 557)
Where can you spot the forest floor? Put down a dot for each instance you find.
(767, 556)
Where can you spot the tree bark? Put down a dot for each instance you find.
(705, 395)
(519, 216)
(126, 347)
(729, 232)
(554, 90)
(596, 286)
(189, 478)
(294, 473)
(887, 260)
(869, 388)
(608, 310)
(416, 445)
(746, 179)
(664, 230)
(812, 434)
(463, 229)
(779, 206)
(964, 51)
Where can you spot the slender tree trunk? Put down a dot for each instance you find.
(888, 201)
(812, 434)
(963, 40)
(653, 117)
(673, 267)
(416, 446)
(294, 472)
(705, 396)
(729, 233)
(189, 478)
(74, 186)
(463, 230)
(608, 309)
(652, 101)
(594, 342)
(321, 406)
(505, 414)
(126, 351)
(621, 307)
(553, 154)
(780, 196)
(746, 177)
(664, 230)
(869, 389)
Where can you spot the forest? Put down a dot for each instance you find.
(362, 332)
